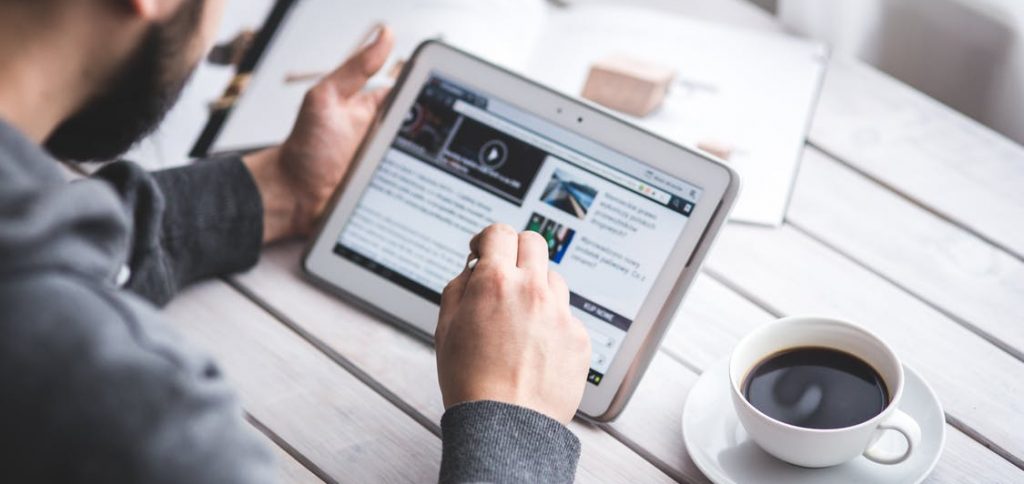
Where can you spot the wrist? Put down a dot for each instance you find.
(280, 207)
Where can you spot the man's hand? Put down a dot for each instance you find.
(296, 179)
(505, 332)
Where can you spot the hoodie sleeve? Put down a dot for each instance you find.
(188, 223)
(487, 441)
(98, 388)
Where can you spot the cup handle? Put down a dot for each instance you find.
(902, 423)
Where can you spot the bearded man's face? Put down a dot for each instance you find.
(138, 96)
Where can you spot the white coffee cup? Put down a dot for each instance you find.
(810, 447)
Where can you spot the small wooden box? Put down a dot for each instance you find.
(626, 84)
(715, 147)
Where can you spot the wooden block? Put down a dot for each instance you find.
(716, 148)
(626, 84)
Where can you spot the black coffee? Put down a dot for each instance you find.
(818, 388)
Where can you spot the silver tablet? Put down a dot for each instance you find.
(462, 144)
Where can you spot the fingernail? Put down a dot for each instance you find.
(373, 36)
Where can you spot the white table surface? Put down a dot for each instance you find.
(907, 217)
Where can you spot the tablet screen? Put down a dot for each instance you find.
(463, 160)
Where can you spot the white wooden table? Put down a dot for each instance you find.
(907, 218)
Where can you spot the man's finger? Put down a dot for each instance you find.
(371, 100)
(497, 245)
(533, 252)
(451, 296)
(377, 96)
(473, 244)
(353, 74)
(558, 286)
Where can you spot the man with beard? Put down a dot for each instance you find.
(95, 386)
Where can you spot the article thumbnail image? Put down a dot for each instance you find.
(424, 129)
(427, 124)
(568, 195)
(558, 236)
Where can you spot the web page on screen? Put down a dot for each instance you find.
(464, 160)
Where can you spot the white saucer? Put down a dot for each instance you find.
(721, 449)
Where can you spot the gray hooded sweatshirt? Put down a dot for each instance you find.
(95, 386)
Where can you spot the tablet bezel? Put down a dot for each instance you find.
(718, 182)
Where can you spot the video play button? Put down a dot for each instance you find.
(493, 153)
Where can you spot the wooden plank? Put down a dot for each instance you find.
(974, 282)
(978, 383)
(710, 321)
(652, 420)
(332, 418)
(965, 460)
(290, 471)
(926, 151)
(289, 467)
(403, 365)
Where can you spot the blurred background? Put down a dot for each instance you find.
(966, 54)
